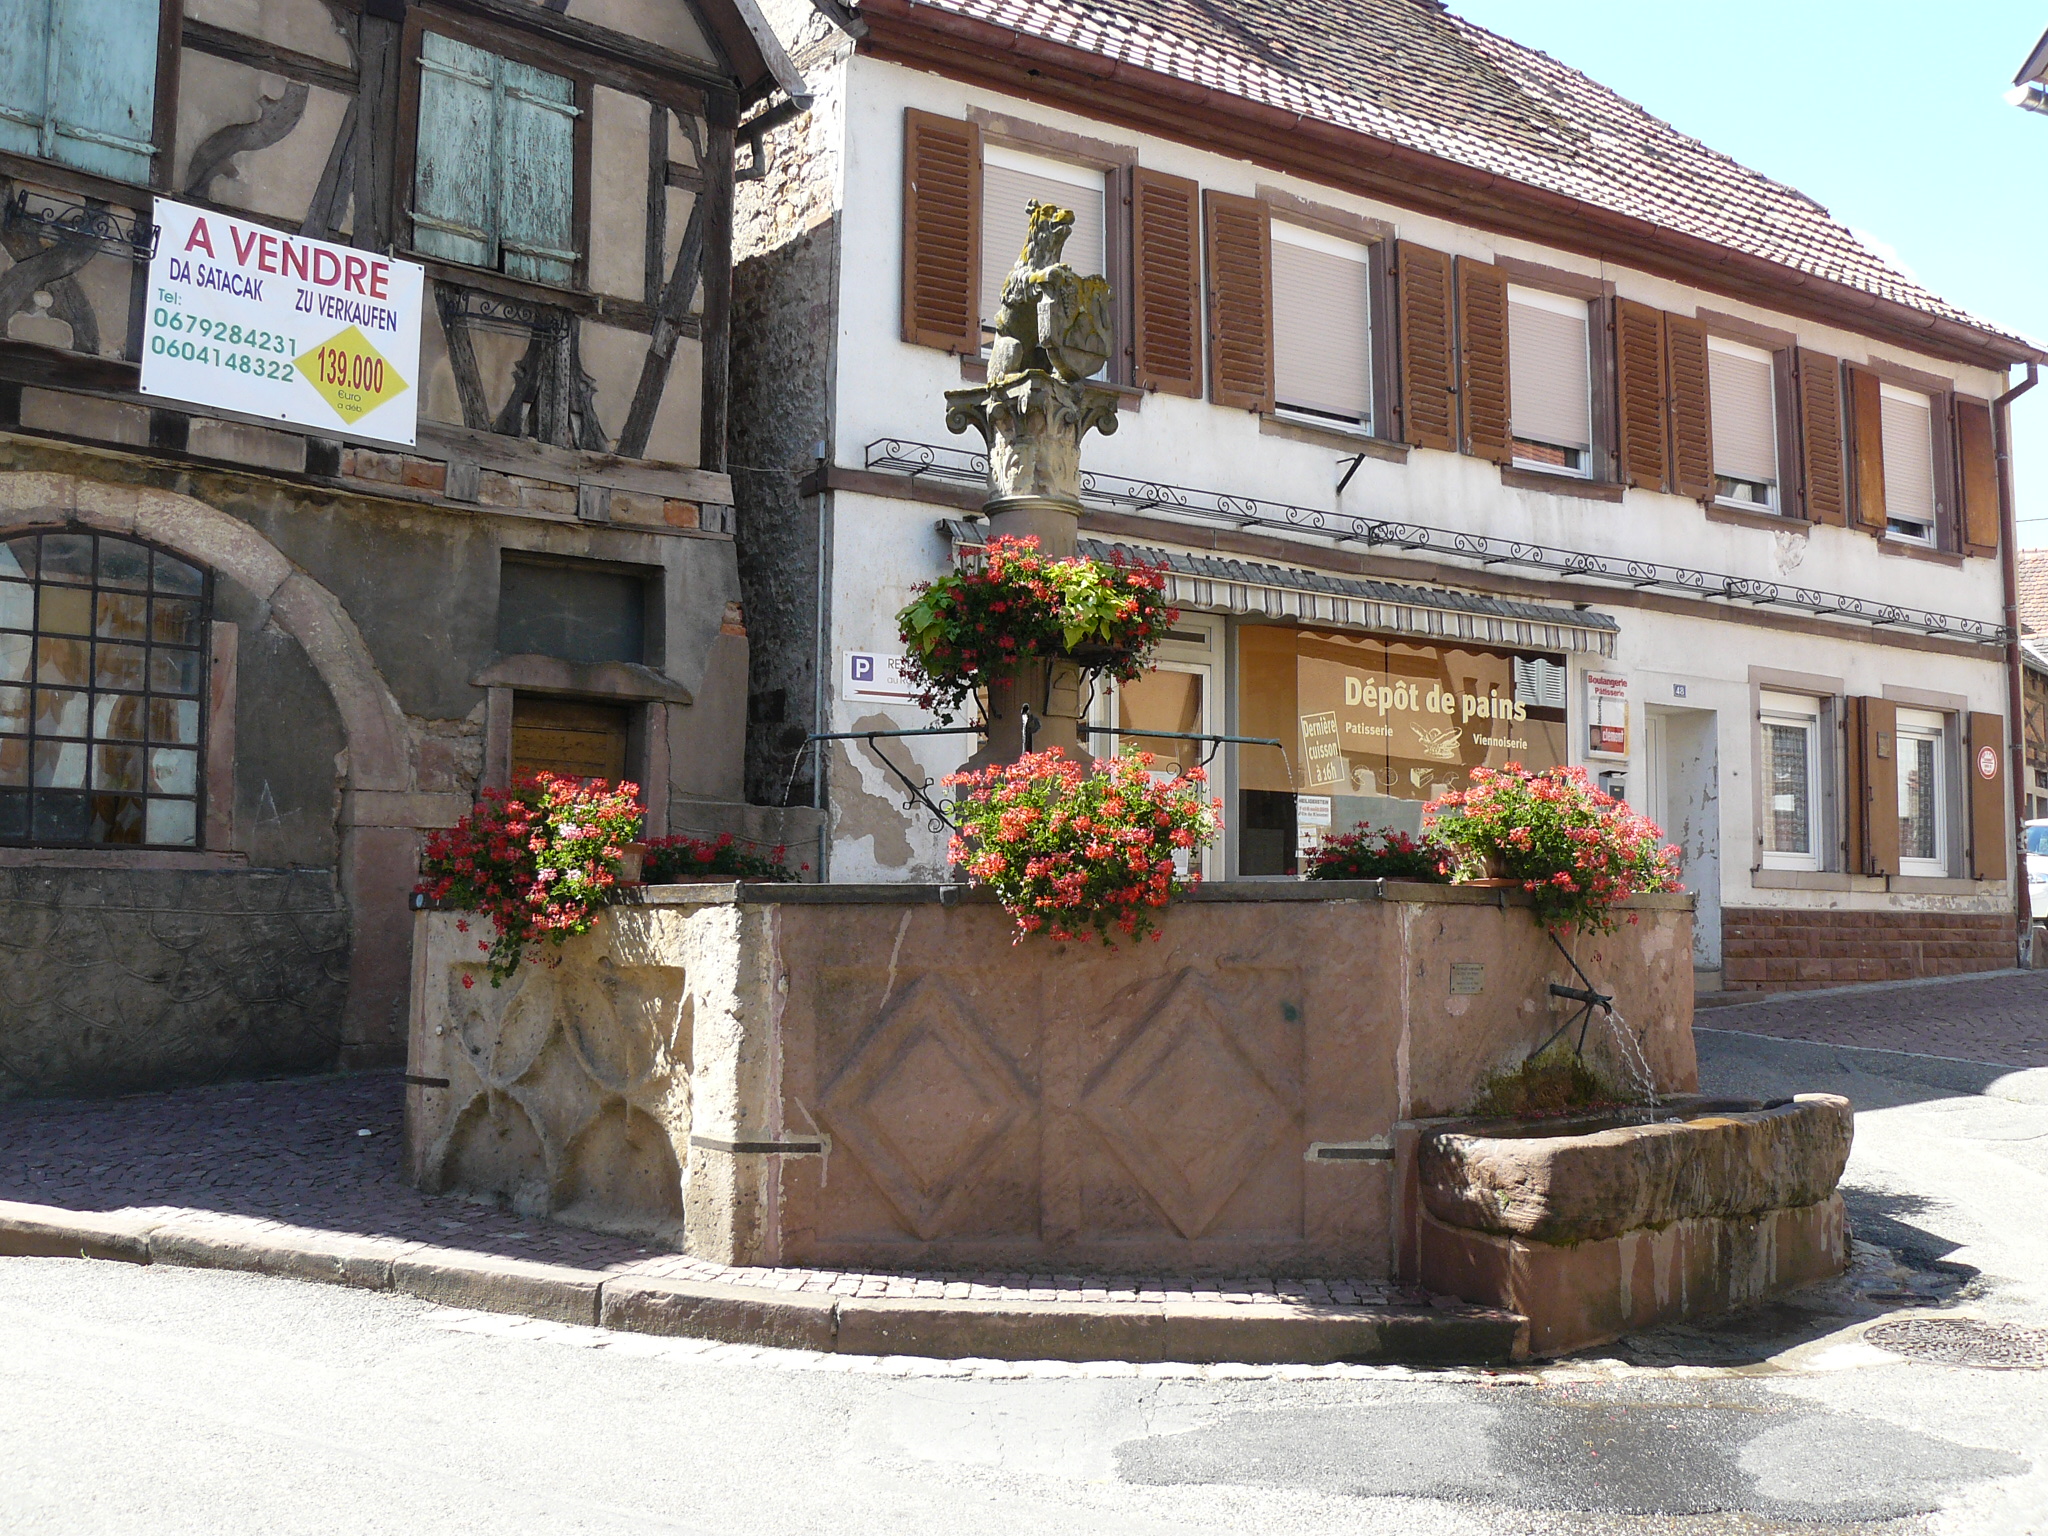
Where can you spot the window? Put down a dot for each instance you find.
(1550, 381)
(1010, 183)
(102, 673)
(1908, 432)
(1743, 388)
(494, 181)
(576, 613)
(1791, 782)
(78, 83)
(1322, 329)
(1923, 792)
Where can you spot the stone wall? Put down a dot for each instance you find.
(113, 980)
(868, 1075)
(1787, 949)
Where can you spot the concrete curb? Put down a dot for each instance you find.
(1198, 1333)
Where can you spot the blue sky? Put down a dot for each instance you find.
(1891, 114)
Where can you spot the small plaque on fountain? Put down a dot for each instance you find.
(1468, 978)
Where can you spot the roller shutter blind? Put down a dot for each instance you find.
(1010, 183)
(1166, 284)
(1823, 486)
(1977, 467)
(1639, 377)
(1907, 437)
(1990, 795)
(78, 83)
(1240, 301)
(1550, 369)
(1745, 414)
(1322, 324)
(1484, 360)
(941, 232)
(1422, 280)
(1695, 422)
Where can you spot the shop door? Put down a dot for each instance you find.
(1176, 696)
(1682, 794)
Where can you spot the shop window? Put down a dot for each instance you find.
(1908, 435)
(78, 83)
(1550, 381)
(1791, 782)
(569, 737)
(494, 176)
(1322, 329)
(1010, 182)
(585, 613)
(103, 646)
(1375, 727)
(1742, 384)
(1923, 793)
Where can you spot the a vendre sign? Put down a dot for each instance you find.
(251, 320)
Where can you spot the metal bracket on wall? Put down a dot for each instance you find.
(1588, 996)
(63, 221)
(918, 795)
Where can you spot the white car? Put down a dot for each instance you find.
(2037, 869)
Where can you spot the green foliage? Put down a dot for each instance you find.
(1365, 853)
(1556, 1082)
(680, 860)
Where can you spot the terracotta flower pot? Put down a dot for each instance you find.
(631, 858)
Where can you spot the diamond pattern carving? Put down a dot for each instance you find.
(1186, 1106)
(924, 1102)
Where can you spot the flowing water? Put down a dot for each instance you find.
(1633, 1061)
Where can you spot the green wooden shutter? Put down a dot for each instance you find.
(103, 90)
(78, 83)
(537, 173)
(455, 188)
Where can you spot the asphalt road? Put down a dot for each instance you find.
(164, 1400)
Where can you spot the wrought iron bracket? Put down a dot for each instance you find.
(64, 221)
(1589, 997)
(918, 790)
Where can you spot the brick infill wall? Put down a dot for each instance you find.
(1789, 949)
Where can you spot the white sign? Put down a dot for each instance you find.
(878, 676)
(1606, 715)
(1312, 810)
(251, 320)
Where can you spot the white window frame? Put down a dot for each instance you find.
(1287, 232)
(1927, 725)
(1801, 712)
(1901, 528)
(1582, 311)
(1774, 494)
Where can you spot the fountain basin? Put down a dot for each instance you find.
(1593, 1228)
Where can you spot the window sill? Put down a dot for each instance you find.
(1745, 517)
(627, 681)
(1813, 880)
(1935, 885)
(974, 370)
(1272, 424)
(1920, 552)
(120, 858)
(1559, 484)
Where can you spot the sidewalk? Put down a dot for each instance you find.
(2001, 1018)
(300, 1177)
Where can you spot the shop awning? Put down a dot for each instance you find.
(1210, 584)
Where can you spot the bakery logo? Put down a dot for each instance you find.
(1439, 744)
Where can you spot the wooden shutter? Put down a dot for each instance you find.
(1977, 474)
(1873, 731)
(1483, 360)
(1166, 285)
(24, 90)
(102, 98)
(941, 232)
(455, 181)
(1639, 381)
(1690, 407)
(1422, 278)
(1865, 414)
(537, 173)
(1240, 301)
(1817, 381)
(1989, 797)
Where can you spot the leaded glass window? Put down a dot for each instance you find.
(102, 686)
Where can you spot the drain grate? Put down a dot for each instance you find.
(1964, 1341)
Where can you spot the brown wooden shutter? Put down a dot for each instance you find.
(1873, 732)
(1240, 301)
(1977, 467)
(1166, 284)
(1989, 797)
(1865, 413)
(1422, 278)
(1817, 380)
(1690, 403)
(941, 232)
(1639, 380)
(1483, 360)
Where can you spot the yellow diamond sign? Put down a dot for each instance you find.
(351, 375)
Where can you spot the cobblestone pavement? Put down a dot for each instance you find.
(322, 1154)
(2001, 1019)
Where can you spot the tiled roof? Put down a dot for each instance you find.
(1410, 73)
(2033, 589)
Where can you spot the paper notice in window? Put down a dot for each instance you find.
(1606, 715)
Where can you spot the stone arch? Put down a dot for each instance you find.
(379, 757)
